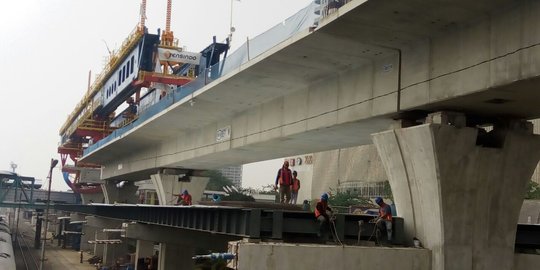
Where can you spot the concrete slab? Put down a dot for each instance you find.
(268, 256)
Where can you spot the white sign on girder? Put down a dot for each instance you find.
(179, 56)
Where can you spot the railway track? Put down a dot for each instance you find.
(29, 260)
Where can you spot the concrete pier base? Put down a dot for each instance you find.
(175, 257)
(458, 192)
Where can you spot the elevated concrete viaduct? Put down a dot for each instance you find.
(362, 67)
(367, 63)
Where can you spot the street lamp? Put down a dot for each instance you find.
(54, 162)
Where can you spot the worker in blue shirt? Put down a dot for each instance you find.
(384, 219)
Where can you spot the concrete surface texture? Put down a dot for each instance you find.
(460, 199)
(526, 261)
(348, 165)
(175, 257)
(268, 256)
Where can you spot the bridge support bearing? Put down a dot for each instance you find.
(168, 185)
(461, 199)
(175, 257)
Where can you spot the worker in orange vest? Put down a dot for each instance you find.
(295, 188)
(184, 198)
(321, 214)
(284, 180)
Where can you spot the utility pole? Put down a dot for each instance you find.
(13, 166)
(53, 164)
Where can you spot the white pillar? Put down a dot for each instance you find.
(462, 200)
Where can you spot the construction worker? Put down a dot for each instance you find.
(294, 188)
(184, 198)
(131, 111)
(321, 214)
(384, 219)
(284, 179)
(306, 206)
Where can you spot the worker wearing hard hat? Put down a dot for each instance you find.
(321, 213)
(184, 198)
(284, 180)
(384, 220)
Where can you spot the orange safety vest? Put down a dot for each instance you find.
(324, 206)
(295, 185)
(385, 212)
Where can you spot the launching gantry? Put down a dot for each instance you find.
(148, 62)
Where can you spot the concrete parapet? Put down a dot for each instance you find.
(460, 197)
(269, 256)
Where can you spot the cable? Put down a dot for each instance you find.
(334, 231)
(374, 230)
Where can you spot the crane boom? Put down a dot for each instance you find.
(143, 16)
(167, 38)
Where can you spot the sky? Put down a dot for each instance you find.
(48, 48)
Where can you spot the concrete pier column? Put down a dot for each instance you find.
(111, 252)
(175, 257)
(168, 184)
(107, 251)
(144, 249)
(124, 194)
(89, 233)
(460, 189)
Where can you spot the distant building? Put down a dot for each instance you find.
(233, 173)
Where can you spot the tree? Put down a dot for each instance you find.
(346, 199)
(533, 191)
(217, 180)
(387, 190)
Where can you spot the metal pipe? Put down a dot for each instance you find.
(53, 164)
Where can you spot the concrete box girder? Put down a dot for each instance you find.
(343, 77)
